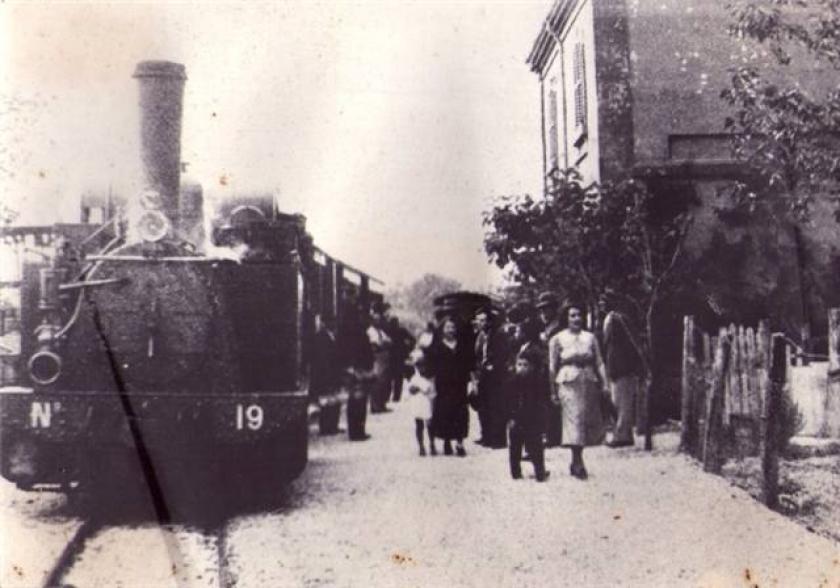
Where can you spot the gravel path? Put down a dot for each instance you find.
(376, 514)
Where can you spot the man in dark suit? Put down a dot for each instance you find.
(491, 352)
(548, 307)
(356, 357)
(325, 376)
(382, 347)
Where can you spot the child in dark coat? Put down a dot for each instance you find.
(528, 394)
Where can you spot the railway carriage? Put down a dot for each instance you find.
(160, 345)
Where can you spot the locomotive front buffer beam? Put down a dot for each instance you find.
(58, 438)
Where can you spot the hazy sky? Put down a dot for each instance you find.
(390, 125)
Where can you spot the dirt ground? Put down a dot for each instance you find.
(809, 489)
(374, 513)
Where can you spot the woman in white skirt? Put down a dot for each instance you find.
(578, 381)
(420, 390)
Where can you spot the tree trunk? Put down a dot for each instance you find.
(653, 377)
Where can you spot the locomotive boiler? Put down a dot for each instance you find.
(160, 348)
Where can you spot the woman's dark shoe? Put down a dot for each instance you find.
(422, 452)
(461, 451)
(543, 477)
(516, 475)
(447, 448)
(578, 471)
(433, 450)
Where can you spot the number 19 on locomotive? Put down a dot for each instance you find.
(250, 417)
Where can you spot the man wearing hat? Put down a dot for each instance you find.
(381, 345)
(356, 356)
(491, 363)
(548, 307)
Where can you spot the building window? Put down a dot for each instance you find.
(553, 159)
(579, 77)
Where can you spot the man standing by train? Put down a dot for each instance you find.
(357, 359)
(325, 376)
(381, 345)
(402, 343)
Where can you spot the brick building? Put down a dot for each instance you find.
(633, 87)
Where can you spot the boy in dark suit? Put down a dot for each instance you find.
(528, 394)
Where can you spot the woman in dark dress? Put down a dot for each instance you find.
(452, 358)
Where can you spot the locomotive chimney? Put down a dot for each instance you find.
(161, 100)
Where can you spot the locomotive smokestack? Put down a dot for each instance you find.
(161, 100)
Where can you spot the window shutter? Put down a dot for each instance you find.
(552, 130)
(579, 76)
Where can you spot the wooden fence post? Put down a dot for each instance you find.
(702, 399)
(732, 397)
(646, 394)
(832, 412)
(764, 355)
(712, 458)
(688, 430)
(746, 369)
(805, 337)
(752, 372)
(770, 422)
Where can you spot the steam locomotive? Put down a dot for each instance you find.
(164, 344)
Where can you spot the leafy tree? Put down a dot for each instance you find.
(416, 301)
(582, 240)
(785, 132)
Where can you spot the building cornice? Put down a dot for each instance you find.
(546, 39)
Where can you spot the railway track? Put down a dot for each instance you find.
(64, 572)
(71, 552)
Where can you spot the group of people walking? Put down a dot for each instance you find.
(538, 379)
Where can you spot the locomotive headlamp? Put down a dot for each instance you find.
(151, 200)
(44, 367)
(152, 226)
